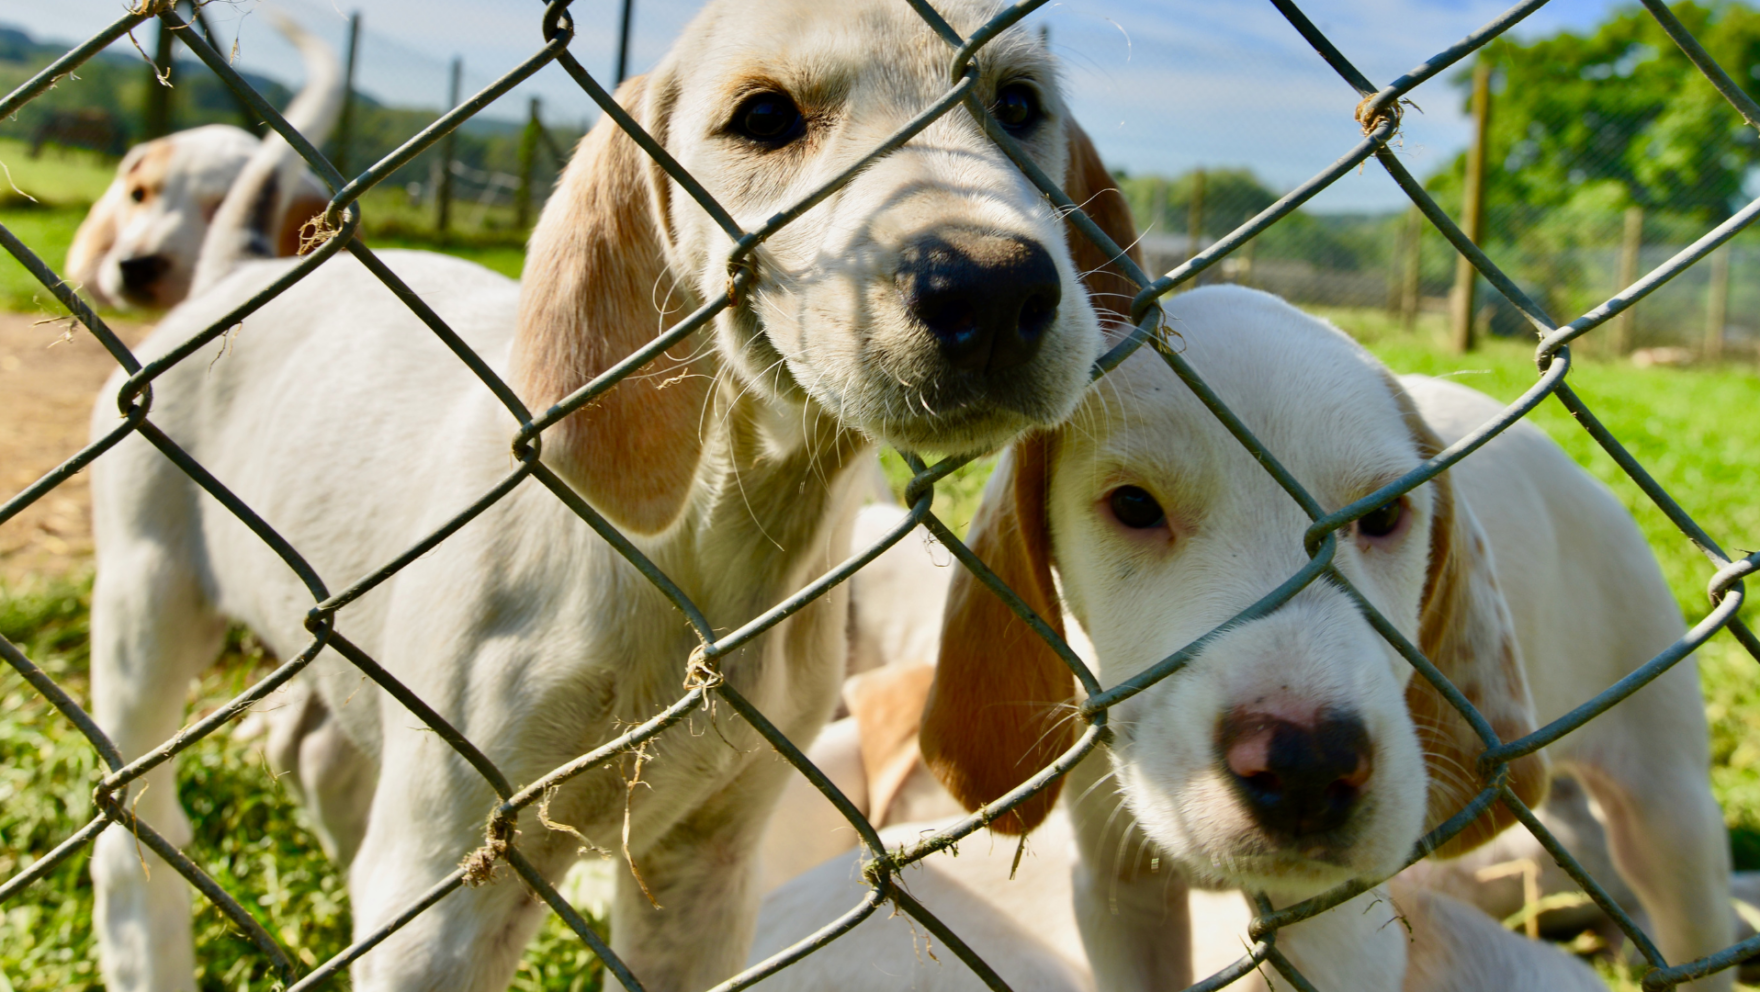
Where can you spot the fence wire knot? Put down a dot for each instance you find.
(479, 865)
(700, 671)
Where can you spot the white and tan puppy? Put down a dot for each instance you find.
(933, 302)
(138, 245)
(1296, 751)
(1021, 921)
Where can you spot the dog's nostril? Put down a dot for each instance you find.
(1297, 779)
(987, 299)
(142, 271)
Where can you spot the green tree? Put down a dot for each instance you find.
(1618, 117)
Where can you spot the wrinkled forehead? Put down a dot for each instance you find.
(867, 50)
(1321, 405)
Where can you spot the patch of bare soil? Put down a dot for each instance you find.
(49, 377)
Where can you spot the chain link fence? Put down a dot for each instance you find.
(1378, 113)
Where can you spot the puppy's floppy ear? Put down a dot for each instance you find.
(1466, 631)
(997, 712)
(590, 295)
(1092, 188)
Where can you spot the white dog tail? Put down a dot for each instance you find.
(250, 220)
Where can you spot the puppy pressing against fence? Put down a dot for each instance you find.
(138, 245)
(932, 303)
(1298, 751)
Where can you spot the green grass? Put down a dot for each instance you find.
(250, 833)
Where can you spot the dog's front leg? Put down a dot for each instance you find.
(697, 928)
(427, 817)
(1359, 945)
(1130, 905)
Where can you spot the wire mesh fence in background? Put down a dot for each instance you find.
(1379, 116)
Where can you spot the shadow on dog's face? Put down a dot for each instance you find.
(931, 303)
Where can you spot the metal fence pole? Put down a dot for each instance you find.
(1466, 277)
(528, 159)
(448, 147)
(1717, 304)
(1625, 326)
(345, 123)
(623, 25)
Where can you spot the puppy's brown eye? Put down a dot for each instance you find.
(138, 194)
(1017, 106)
(769, 119)
(1383, 520)
(1135, 508)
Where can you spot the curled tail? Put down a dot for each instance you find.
(276, 193)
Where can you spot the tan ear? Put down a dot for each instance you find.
(94, 239)
(999, 709)
(303, 209)
(887, 704)
(1092, 188)
(590, 295)
(1466, 631)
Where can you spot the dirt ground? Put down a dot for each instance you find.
(49, 376)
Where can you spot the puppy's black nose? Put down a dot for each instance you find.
(1297, 779)
(140, 272)
(988, 299)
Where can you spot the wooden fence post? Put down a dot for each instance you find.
(1413, 273)
(1625, 326)
(1195, 221)
(1472, 211)
(528, 160)
(156, 114)
(1717, 305)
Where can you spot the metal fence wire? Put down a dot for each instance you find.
(1379, 116)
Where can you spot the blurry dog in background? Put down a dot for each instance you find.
(138, 245)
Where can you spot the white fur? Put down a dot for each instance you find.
(1026, 930)
(338, 417)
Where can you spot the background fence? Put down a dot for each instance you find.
(1231, 252)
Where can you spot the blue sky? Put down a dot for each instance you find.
(1163, 86)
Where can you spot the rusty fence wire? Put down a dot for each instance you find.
(1379, 116)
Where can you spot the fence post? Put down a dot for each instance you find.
(448, 145)
(1625, 326)
(1472, 211)
(248, 116)
(1413, 271)
(1717, 305)
(623, 41)
(345, 123)
(156, 114)
(528, 160)
(1195, 219)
